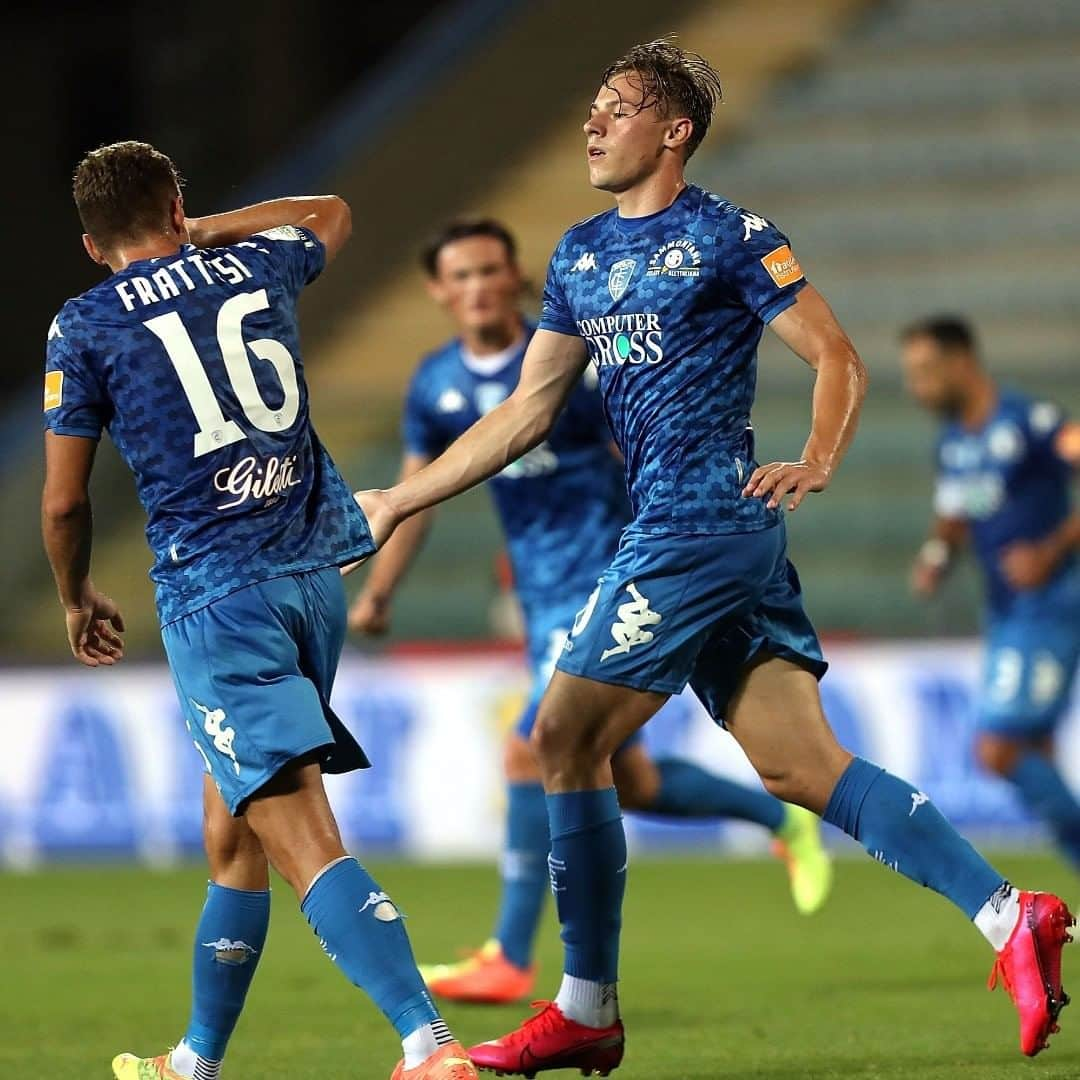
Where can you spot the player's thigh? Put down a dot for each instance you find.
(775, 715)
(637, 779)
(580, 717)
(1028, 675)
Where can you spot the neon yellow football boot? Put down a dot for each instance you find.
(810, 869)
(130, 1067)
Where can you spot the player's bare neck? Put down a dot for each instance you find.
(158, 248)
(651, 195)
(494, 339)
(979, 405)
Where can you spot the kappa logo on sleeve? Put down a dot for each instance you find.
(783, 267)
(54, 389)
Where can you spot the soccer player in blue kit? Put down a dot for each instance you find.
(562, 507)
(667, 295)
(188, 353)
(1005, 465)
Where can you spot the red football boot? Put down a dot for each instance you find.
(550, 1040)
(1030, 967)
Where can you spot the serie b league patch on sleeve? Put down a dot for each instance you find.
(783, 267)
(54, 389)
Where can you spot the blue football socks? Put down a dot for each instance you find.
(588, 878)
(525, 880)
(689, 791)
(1046, 795)
(362, 932)
(229, 941)
(901, 828)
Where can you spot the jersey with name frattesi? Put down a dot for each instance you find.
(192, 363)
(563, 505)
(671, 308)
(1008, 483)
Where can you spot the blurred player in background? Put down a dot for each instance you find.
(188, 353)
(668, 294)
(1005, 466)
(562, 507)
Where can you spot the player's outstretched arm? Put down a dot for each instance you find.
(552, 365)
(327, 216)
(370, 612)
(809, 328)
(93, 621)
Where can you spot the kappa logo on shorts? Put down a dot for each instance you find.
(222, 736)
(634, 616)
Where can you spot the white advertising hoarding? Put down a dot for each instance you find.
(99, 764)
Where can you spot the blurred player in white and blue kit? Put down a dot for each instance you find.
(188, 353)
(667, 296)
(562, 507)
(1006, 463)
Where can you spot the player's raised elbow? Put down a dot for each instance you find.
(332, 223)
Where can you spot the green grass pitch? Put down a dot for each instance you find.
(720, 977)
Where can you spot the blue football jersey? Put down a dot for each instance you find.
(1006, 481)
(192, 363)
(672, 307)
(563, 505)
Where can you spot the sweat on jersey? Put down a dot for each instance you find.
(1009, 484)
(192, 363)
(672, 307)
(563, 505)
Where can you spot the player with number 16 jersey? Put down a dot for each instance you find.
(188, 353)
(205, 335)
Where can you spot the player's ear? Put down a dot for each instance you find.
(92, 250)
(177, 218)
(435, 290)
(678, 133)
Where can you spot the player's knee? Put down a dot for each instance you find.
(232, 849)
(997, 755)
(555, 742)
(519, 761)
(802, 787)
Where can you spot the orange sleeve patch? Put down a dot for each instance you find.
(783, 267)
(54, 389)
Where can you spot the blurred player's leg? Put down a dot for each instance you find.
(675, 788)
(500, 971)
(776, 716)
(229, 942)
(1030, 669)
(1043, 789)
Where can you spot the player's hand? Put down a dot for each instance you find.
(370, 615)
(925, 579)
(1028, 565)
(94, 629)
(782, 478)
(381, 516)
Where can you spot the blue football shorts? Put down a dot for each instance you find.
(673, 609)
(546, 628)
(254, 671)
(1028, 673)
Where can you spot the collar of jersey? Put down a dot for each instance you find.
(493, 363)
(637, 224)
